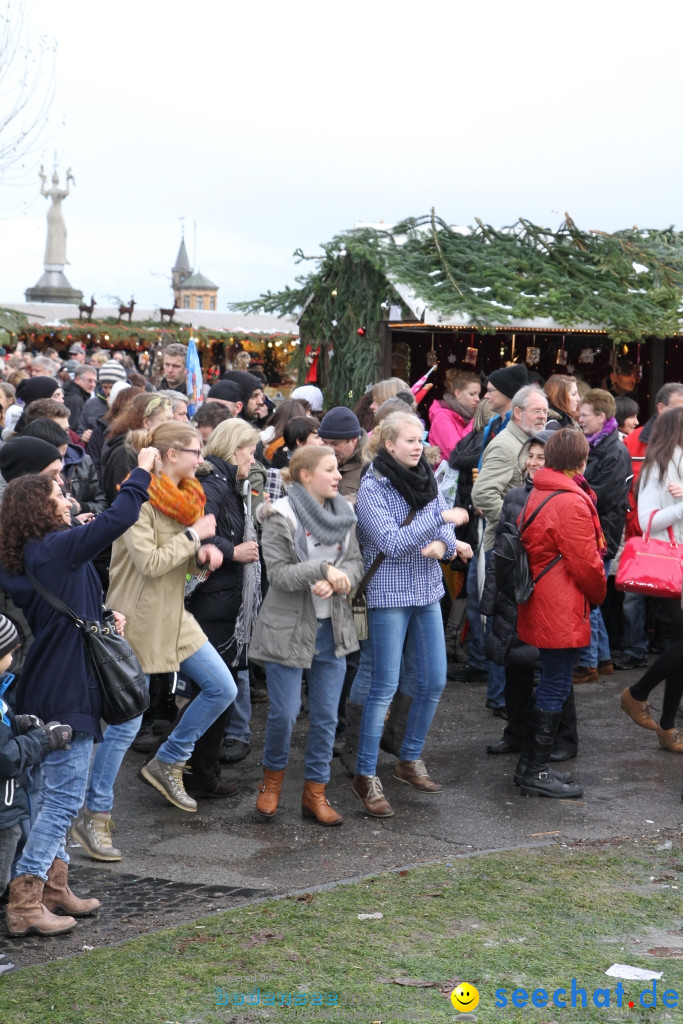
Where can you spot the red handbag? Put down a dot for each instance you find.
(651, 567)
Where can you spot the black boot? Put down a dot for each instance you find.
(519, 685)
(523, 761)
(566, 743)
(394, 730)
(538, 779)
(353, 714)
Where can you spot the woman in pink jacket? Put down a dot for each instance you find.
(451, 417)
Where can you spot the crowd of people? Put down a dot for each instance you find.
(295, 554)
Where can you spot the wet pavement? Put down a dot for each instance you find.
(178, 866)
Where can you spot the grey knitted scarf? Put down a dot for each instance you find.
(328, 523)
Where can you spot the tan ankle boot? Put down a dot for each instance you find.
(269, 792)
(26, 913)
(93, 829)
(314, 804)
(58, 896)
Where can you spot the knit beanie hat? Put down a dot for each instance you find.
(110, 372)
(246, 382)
(24, 455)
(311, 394)
(509, 380)
(120, 385)
(227, 391)
(339, 424)
(33, 388)
(9, 638)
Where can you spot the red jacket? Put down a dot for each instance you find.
(637, 450)
(558, 613)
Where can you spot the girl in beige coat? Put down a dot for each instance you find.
(148, 569)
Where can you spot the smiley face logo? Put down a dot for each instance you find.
(465, 997)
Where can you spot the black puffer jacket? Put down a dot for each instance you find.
(465, 458)
(503, 646)
(609, 473)
(216, 603)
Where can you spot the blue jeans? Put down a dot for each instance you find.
(59, 786)
(388, 629)
(598, 648)
(325, 680)
(106, 763)
(476, 650)
(363, 680)
(635, 637)
(238, 727)
(217, 691)
(557, 667)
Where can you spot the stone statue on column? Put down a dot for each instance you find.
(53, 285)
(55, 249)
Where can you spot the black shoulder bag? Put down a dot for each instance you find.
(122, 683)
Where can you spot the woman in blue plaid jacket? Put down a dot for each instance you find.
(402, 516)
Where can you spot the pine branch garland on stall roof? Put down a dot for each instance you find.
(628, 283)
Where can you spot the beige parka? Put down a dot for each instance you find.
(149, 564)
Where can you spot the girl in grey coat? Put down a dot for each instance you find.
(313, 561)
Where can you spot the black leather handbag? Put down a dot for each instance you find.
(122, 683)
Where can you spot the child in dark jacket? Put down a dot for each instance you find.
(24, 741)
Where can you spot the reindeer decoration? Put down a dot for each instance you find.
(169, 312)
(127, 310)
(88, 310)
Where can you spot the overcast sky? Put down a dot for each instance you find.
(274, 126)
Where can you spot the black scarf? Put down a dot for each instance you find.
(417, 485)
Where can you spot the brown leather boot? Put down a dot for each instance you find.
(369, 791)
(415, 774)
(269, 792)
(58, 896)
(314, 804)
(25, 911)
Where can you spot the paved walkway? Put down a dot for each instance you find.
(178, 866)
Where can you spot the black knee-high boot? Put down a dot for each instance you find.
(538, 779)
(567, 737)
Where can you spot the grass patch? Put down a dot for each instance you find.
(526, 919)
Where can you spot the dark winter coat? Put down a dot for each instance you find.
(609, 473)
(96, 444)
(465, 458)
(74, 399)
(563, 418)
(503, 645)
(17, 753)
(56, 682)
(558, 612)
(216, 603)
(81, 477)
(94, 408)
(118, 459)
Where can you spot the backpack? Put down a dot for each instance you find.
(513, 573)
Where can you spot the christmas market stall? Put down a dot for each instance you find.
(222, 340)
(398, 300)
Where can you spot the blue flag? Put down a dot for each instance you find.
(194, 379)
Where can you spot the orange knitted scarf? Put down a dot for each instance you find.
(184, 502)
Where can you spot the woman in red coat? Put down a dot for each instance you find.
(556, 618)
